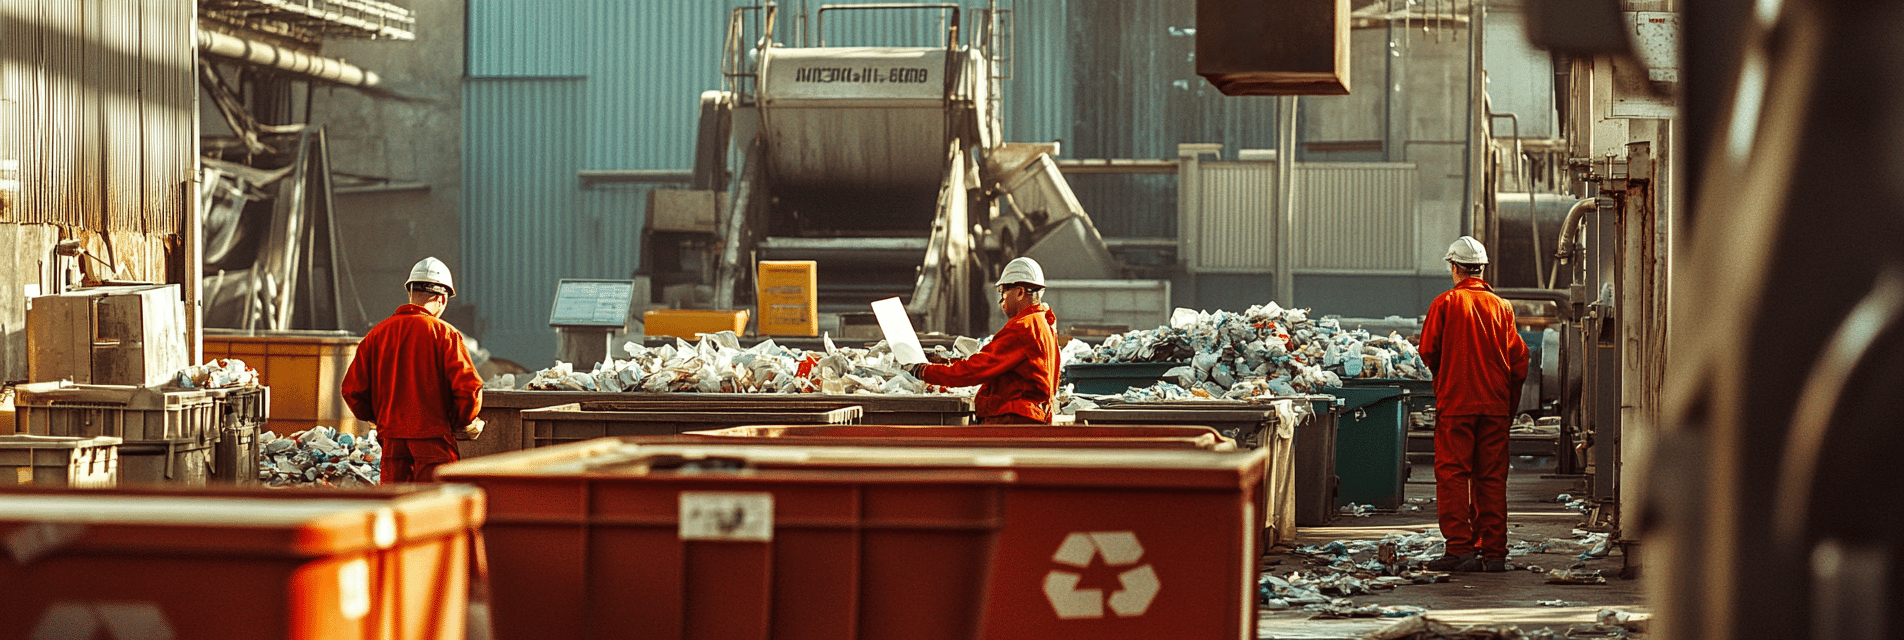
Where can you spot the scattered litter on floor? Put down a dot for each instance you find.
(1357, 510)
(1577, 504)
(1622, 619)
(1559, 603)
(1342, 610)
(1584, 545)
(218, 374)
(1417, 504)
(319, 456)
(1575, 576)
(1423, 627)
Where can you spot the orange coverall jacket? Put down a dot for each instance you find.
(1018, 368)
(1470, 343)
(412, 377)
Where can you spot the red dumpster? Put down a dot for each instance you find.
(375, 564)
(600, 540)
(1098, 542)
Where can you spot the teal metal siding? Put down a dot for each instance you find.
(522, 222)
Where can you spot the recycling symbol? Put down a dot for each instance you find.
(1119, 549)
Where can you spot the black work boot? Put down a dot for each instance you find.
(1450, 562)
(1478, 564)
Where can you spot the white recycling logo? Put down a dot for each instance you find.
(1119, 549)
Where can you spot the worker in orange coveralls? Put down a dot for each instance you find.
(1470, 343)
(1019, 367)
(412, 377)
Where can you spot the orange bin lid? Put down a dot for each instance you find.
(287, 522)
(1050, 466)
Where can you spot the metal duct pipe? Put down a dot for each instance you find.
(326, 69)
(1569, 232)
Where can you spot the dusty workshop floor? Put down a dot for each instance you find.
(1497, 600)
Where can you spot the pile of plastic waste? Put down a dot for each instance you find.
(718, 364)
(1266, 350)
(320, 456)
(218, 374)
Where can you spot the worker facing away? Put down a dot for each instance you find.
(1018, 369)
(1470, 343)
(412, 377)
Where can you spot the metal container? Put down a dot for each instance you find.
(127, 335)
(585, 421)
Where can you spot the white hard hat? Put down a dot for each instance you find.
(1467, 250)
(1022, 271)
(432, 271)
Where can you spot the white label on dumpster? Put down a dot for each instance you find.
(1119, 549)
(75, 620)
(722, 515)
(353, 589)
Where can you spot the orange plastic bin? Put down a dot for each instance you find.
(600, 539)
(309, 565)
(1096, 542)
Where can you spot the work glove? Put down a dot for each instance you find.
(916, 369)
(474, 429)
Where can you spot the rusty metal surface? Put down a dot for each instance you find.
(99, 120)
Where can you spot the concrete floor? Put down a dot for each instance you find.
(1489, 599)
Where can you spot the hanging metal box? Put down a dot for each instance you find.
(1274, 47)
(685, 210)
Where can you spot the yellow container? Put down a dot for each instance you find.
(789, 297)
(684, 323)
(305, 370)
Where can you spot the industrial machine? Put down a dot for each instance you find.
(884, 164)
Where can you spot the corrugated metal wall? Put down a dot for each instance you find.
(1236, 231)
(1353, 216)
(522, 220)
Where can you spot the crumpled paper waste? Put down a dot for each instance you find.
(1577, 504)
(717, 364)
(1356, 510)
(1265, 350)
(1335, 611)
(1584, 545)
(1622, 619)
(1575, 576)
(319, 456)
(225, 373)
(1422, 627)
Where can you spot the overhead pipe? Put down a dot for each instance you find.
(270, 55)
(1564, 251)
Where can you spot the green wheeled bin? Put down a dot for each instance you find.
(1370, 445)
(1315, 462)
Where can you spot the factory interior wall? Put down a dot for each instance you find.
(412, 137)
(1369, 296)
(1352, 295)
(22, 264)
